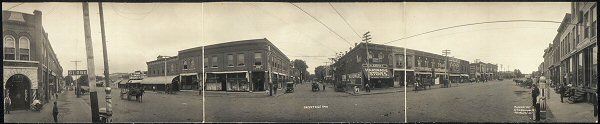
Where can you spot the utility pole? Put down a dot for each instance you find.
(446, 52)
(77, 86)
(90, 63)
(367, 39)
(107, 82)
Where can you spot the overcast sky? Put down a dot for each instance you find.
(139, 32)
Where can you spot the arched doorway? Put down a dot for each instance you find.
(19, 89)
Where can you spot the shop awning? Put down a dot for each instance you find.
(454, 75)
(124, 81)
(159, 80)
(466, 75)
(134, 81)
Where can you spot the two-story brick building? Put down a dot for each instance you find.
(30, 67)
(386, 66)
(247, 65)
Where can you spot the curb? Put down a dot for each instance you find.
(385, 92)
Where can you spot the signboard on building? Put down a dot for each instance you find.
(77, 72)
(376, 65)
(378, 73)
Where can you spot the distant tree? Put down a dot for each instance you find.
(69, 80)
(301, 66)
(320, 72)
(518, 73)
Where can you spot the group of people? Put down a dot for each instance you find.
(36, 103)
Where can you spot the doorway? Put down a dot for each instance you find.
(19, 89)
(258, 81)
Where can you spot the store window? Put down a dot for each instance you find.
(191, 63)
(24, 48)
(258, 58)
(240, 59)
(9, 47)
(229, 60)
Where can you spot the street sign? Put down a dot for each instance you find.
(77, 72)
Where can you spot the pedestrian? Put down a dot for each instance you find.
(534, 94)
(7, 103)
(55, 112)
(561, 91)
(323, 87)
(367, 87)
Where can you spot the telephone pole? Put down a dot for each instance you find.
(90, 63)
(77, 86)
(367, 39)
(107, 82)
(447, 77)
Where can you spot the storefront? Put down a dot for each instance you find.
(189, 81)
(379, 77)
(233, 81)
(399, 76)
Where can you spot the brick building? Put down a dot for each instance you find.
(575, 50)
(247, 65)
(30, 67)
(386, 66)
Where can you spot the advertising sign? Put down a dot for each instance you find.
(77, 72)
(378, 73)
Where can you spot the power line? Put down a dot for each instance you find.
(144, 15)
(479, 23)
(322, 23)
(302, 33)
(346, 21)
(15, 6)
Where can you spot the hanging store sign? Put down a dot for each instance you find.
(376, 65)
(354, 75)
(77, 72)
(378, 73)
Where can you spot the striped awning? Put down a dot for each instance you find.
(159, 80)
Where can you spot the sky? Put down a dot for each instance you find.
(139, 32)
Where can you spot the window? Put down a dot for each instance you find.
(185, 65)
(230, 60)
(593, 19)
(258, 58)
(240, 59)
(191, 63)
(205, 62)
(586, 22)
(9, 47)
(24, 48)
(214, 62)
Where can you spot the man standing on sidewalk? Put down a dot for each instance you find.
(7, 103)
(561, 91)
(534, 93)
(55, 112)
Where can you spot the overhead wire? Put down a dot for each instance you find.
(331, 30)
(478, 23)
(14, 6)
(346, 21)
(295, 29)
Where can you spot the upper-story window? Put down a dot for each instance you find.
(214, 62)
(257, 58)
(191, 63)
(24, 48)
(9, 47)
(205, 62)
(229, 60)
(240, 59)
(592, 18)
(185, 65)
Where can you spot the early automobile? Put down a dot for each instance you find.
(315, 87)
(289, 87)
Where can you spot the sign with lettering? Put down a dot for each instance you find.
(77, 72)
(378, 73)
(376, 65)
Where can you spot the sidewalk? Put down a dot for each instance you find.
(565, 112)
(71, 109)
(401, 89)
(259, 94)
